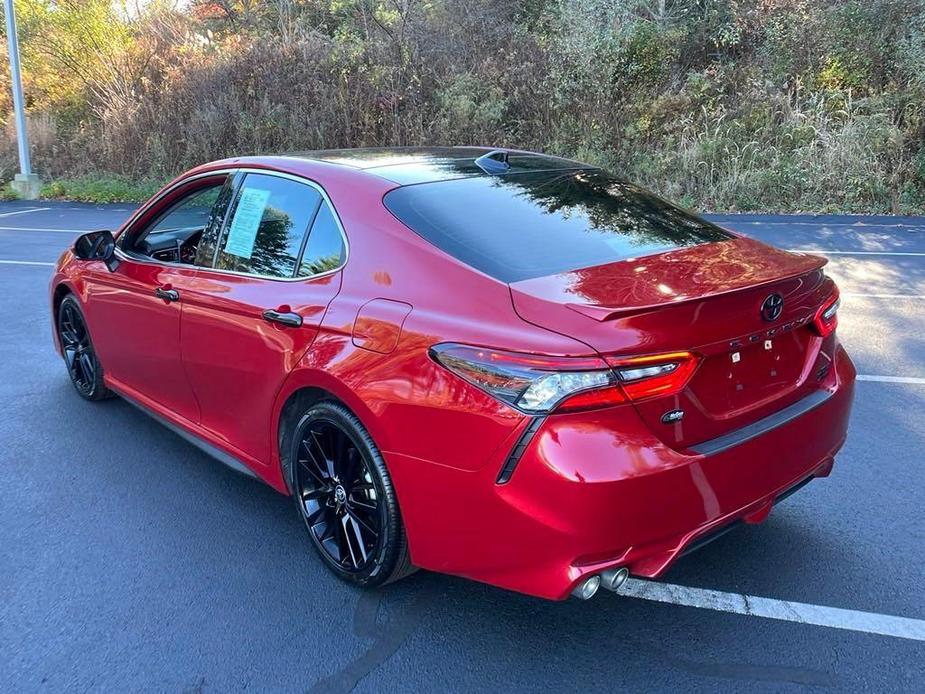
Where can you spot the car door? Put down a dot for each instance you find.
(251, 317)
(135, 310)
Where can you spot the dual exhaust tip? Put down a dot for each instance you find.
(612, 580)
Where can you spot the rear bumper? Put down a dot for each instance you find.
(597, 490)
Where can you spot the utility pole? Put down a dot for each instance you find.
(26, 183)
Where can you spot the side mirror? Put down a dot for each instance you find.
(97, 245)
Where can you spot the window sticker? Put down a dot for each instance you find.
(246, 222)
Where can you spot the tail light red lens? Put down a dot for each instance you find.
(826, 318)
(655, 375)
(541, 384)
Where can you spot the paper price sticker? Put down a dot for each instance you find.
(246, 222)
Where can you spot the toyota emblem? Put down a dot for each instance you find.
(772, 307)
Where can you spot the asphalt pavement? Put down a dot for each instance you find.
(130, 561)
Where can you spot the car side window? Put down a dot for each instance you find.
(324, 249)
(190, 213)
(266, 226)
(174, 236)
(205, 251)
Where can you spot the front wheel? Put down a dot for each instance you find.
(83, 366)
(344, 494)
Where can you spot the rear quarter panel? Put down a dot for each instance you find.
(414, 409)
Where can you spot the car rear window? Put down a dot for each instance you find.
(521, 226)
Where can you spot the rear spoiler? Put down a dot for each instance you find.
(606, 313)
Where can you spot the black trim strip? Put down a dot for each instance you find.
(795, 488)
(305, 235)
(722, 530)
(762, 426)
(704, 540)
(514, 456)
(203, 446)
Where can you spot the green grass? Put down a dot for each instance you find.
(98, 189)
(7, 192)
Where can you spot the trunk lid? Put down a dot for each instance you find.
(705, 299)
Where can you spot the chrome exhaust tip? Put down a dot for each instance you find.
(613, 579)
(587, 588)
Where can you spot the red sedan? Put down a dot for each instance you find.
(490, 363)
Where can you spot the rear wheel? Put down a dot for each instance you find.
(345, 497)
(83, 366)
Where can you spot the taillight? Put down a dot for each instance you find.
(540, 384)
(658, 374)
(826, 318)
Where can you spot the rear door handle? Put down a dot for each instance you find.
(293, 320)
(167, 294)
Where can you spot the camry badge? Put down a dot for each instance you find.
(772, 307)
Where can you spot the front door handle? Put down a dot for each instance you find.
(167, 294)
(293, 320)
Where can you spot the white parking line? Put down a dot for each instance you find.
(854, 295)
(24, 262)
(800, 612)
(31, 209)
(60, 231)
(893, 379)
(851, 225)
(822, 251)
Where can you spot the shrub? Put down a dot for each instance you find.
(727, 104)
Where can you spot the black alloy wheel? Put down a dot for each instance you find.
(83, 366)
(345, 497)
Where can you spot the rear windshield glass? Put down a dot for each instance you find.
(520, 226)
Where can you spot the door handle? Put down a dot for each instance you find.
(293, 320)
(167, 294)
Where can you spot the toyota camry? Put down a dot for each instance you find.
(490, 363)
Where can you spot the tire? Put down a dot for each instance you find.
(345, 497)
(83, 366)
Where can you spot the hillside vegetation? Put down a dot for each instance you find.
(813, 105)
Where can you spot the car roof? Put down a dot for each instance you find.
(410, 165)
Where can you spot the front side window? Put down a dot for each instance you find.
(205, 250)
(175, 236)
(190, 213)
(266, 226)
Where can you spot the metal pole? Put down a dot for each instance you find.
(19, 108)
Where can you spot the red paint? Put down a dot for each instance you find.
(601, 487)
(378, 325)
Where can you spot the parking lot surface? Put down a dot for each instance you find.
(131, 561)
